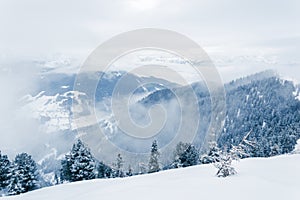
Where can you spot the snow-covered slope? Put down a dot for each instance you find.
(257, 178)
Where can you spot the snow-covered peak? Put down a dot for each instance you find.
(54, 112)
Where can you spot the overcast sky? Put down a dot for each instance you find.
(241, 37)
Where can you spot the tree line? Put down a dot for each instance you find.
(22, 174)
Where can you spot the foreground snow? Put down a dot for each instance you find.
(257, 178)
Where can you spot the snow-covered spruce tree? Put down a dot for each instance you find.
(224, 165)
(119, 166)
(142, 168)
(104, 171)
(179, 151)
(79, 164)
(5, 167)
(154, 156)
(56, 179)
(190, 157)
(24, 175)
(213, 154)
(242, 149)
(65, 171)
(225, 160)
(129, 172)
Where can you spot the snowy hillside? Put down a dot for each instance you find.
(257, 178)
(263, 103)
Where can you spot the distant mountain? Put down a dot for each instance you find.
(270, 107)
(263, 103)
(248, 79)
(51, 103)
(56, 103)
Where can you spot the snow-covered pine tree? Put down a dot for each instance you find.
(104, 171)
(274, 150)
(241, 150)
(56, 179)
(129, 173)
(119, 166)
(154, 156)
(142, 168)
(224, 165)
(225, 160)
(179, 151)
(24, 175)
(5, 166)
(79, 164)
(213, 154)
(190, 157)
(65, 171)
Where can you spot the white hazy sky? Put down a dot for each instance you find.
(241, 37)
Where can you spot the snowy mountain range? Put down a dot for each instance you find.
(264, 103)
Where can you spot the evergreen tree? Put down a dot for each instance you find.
(56, 179)
(236, 152)
(79, 164)
(104, 171)
(142, 168)
(5, 166)
(154, 156)
(129, 173)
(190, 156)
(242, 150)
(224, 165)
(213, 154)
(24, 175)
(179, 151)
(119, 166)
(65, 171)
